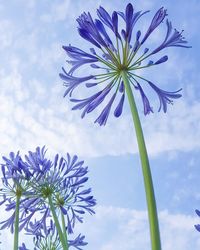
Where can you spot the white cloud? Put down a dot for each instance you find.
(32, 114)
(58, 11)
(176, 130)
(65, 9)
(125, 229)
(120, 228)
(6, 38)
(33, 111)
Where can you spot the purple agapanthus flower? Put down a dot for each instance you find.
(47, 237)
(37, 178)
(18, 175)
(15, 172)
(63, 180)
(78, 242)
(110, 57)
(15, 176)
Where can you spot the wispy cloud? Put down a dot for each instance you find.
(120, 228)
(34, 112)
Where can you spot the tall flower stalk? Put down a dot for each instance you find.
(115, 66)
(15, 175)
(16, 232)
(150, 197)
(57, 224)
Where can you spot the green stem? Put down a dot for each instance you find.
(110, 65)
(150, 197)
(64, 227)
(57, 224)
(16, 233)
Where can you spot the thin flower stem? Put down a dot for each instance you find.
(125, 53)
(140, 59)
(116, 59)
(132, 54)
(106, 75)
(118, 51)
(131, 74)
(16, 233)
(150, 197)
(57, 224)
(142, 67)
(109, 52)
(110, 65)
(64, 227)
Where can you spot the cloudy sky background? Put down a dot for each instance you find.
(34, 113)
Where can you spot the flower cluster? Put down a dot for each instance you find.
(47, 238)
(111, 57)
(38, 182)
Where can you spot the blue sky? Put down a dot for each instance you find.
(33, 112)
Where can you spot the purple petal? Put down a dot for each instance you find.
(119, 108)
(156, 21)
(174, 39)
(146, 104)
(162, 60)
(165, 96)
(103, 117)
(197, 212)
(83, 33)
(197, 227)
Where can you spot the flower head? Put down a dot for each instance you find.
(35, 180)
(71, 198)
(15, 173)
(15, 177)
(110, 57)
(47, 237)
(63, 181)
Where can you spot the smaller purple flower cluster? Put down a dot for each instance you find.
(35, 181)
